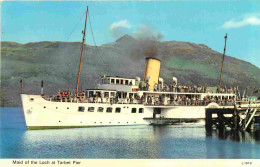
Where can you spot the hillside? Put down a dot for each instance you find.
(57, 64)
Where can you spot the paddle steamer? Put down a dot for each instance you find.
(123, 101)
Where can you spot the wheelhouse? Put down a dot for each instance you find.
(118, 80)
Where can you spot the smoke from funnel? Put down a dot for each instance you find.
(148, 41)
(150, 48)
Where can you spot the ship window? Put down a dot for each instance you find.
(126, 82)
(119, 94)
(141, 110)
(81, 109)
(133, 110)
(112, 94)
(122, 81)
(91, 93)
(106, 94)
(131, 94)
(109, 109)
(68, 108)
(100, 109)
(124, 95)
(98, 94)
(117, 81)
(112, 81)
(118, 110)
(91, 109)
(31, 99)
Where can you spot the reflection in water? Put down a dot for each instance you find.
(171, 141)
(234, 143)
(237, 136)
(127, 142)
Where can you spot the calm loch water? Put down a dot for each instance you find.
(128, 142)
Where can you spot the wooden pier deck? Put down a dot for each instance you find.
(235, 118)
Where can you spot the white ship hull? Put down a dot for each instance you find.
(42, 114)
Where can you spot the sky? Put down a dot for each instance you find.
(201, 22)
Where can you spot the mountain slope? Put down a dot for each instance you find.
(57, 64)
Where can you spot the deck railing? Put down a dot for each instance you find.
(81, 99)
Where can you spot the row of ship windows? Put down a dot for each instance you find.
(109, 122)
(117, 81)
(108, 109)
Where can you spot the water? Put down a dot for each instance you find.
(128, 142)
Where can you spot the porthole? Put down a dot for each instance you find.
(56, 107)
(100, 109)
(133, 110)
(81, 109)
(141, 110)
(91, 109)
(109, 109)
(67, 107)
(59, 121)
(118, 110)
(44, 107)
(101, 122)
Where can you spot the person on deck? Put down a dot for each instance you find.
(142, 99)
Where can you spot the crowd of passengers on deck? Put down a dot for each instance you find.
(184, 88)
(169, 99)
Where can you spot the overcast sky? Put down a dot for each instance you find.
(204, 22)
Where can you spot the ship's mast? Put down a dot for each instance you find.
(219, 85)
(82, 50)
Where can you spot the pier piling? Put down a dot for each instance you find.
(222, 120)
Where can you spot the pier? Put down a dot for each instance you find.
(235, 118)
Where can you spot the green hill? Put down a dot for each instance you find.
(57, 64)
